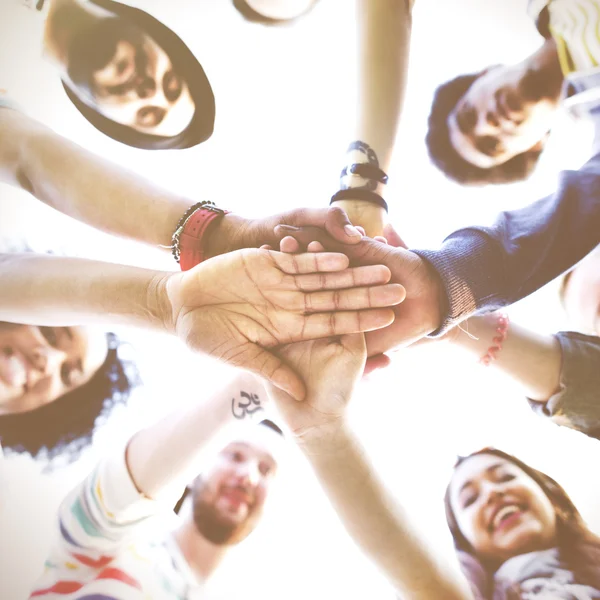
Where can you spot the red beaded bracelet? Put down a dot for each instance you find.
(498, 339)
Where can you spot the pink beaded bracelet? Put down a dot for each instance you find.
(498, 339)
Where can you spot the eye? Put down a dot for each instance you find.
(66, 374)
(502, 477)
(265, 469)
(49, 335)
(466, 118)
(121, 66)
(468, 500)
(237, 457)
(172, 86)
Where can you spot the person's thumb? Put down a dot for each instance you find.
(393, 239)
(339, 227)
(271, 368)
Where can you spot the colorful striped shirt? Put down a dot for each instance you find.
(575, 26)
(102, 552)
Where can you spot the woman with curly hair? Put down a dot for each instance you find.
(57, 384)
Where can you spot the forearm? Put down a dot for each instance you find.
(52, 290)
(486, 268)
(384, 28)
(533, 360)
(377, 522)
(84, 186)
(166, 454)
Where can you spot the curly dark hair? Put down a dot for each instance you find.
(446, 158)
(253, 16)
(66, 426)
(579, 548)
(128, 18)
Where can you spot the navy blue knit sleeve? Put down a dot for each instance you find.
(486, 268)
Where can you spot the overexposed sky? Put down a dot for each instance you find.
(284, 117)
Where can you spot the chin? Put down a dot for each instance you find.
(523, 542)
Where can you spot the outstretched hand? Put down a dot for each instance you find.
(234, 232)
(237, 306)
(330, 369)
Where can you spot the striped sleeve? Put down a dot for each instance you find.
(103, 513)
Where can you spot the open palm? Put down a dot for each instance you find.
(330, 368)
(236, 306)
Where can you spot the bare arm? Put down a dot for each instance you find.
(533, 360)
(384, 28)
(83, 185)
(373, 517)
(378, 523)
(53, 290)
(167, 452)
(158, 463)
(108, 197)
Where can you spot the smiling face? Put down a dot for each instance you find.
(507, 111)
(40, 364)
(500, 510)
(125, 75)
(229, 497)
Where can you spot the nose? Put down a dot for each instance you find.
(146, 87)
(248, 474)
(491, 493)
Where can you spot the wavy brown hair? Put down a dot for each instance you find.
(579, 548)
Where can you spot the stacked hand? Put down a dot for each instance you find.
(236, 306)
(330, 369)
(425, 303)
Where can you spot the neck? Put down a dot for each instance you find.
(65, 19)
(202, 556)
(548, 77)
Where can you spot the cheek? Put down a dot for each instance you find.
(470, 528)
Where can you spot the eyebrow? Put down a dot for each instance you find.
(461, 115)
(489, 471)
(262, 455)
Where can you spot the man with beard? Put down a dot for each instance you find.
(103, 548)
(492, 126)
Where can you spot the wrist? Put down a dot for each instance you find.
(365, 214)
(226, 235)
(325, 440)
(159, 307)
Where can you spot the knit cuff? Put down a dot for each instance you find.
(470, 274)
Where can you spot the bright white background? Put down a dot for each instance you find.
(284, 116)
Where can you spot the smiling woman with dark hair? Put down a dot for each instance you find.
(56, 385)
(129, 75)
(517, 532)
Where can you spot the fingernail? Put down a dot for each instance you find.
(352, 231)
